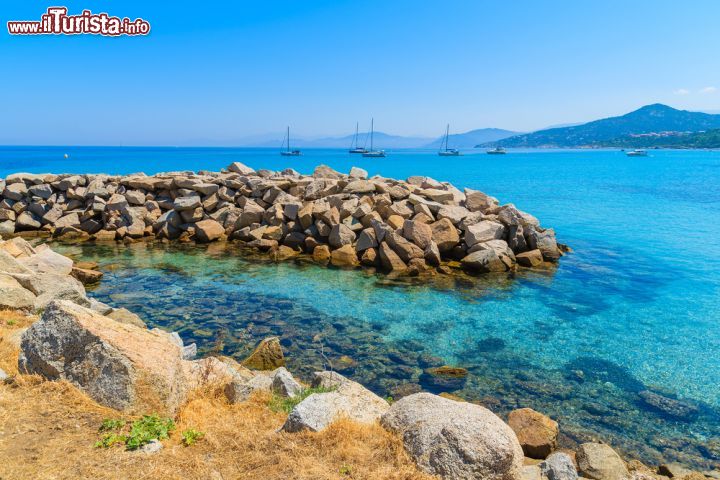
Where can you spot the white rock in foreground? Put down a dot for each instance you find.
(347, 399)
(455, 440)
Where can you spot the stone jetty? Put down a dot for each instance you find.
(406, 227)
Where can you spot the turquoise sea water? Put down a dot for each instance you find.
(635, 307)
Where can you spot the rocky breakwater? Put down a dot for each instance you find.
(412, 226)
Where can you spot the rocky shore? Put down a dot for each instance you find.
(408, 227)
(117, 361)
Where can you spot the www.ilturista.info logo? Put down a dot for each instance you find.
(57, 22)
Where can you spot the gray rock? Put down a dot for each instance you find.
(483, 232)
(120, 366)
(10, 264)
(13, 296)
(43, 191)
(52, 286)
(240, 389)
(284, 384)
(240, 168)
(356, 172)
(189, 351)
(485, 261)
(154, 446)
(599, 461)
(348, 399)
(15, 191)
(454, 213)
(3, 376)
(187, 203)
(341, 235)
(455, 440)
(7, 228)
(47, 261)
(558, 466)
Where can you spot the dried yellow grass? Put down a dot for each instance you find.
(47, 431)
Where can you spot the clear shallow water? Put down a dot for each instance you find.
(634, 308)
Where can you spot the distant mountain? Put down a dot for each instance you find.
(382, 141)
(472, 138)
(651, 119)
(706, 139)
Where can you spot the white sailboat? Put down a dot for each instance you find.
(289, 152)
(372, 152)
(448, 152)
(355, 146)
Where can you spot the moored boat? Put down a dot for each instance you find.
(496, 151)
(372, 152)
(448, 152)
(636, 153)
(289, 152)
(355, 146)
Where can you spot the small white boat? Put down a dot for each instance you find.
(289, 152)
(496, 151)
(636, 153)
(355, 146)
(448, 152)
(372, 152)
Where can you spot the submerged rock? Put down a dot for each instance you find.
(455, 440)
(267, 355)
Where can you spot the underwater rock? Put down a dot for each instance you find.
(669, 406)
(87, 277)
(267, 355)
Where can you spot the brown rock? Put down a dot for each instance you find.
(533, 258)
(418, 232)
(445, 235)
(390, 260)
(599, 461)
(536, 432)
(86, 277)
(344, 256)
(321, 254)
(208, 230)
(395, 221)
(370, 258)
(448, 371)
(267, 355)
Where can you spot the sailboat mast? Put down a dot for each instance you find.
(447, 136)
(288, 135)
(372, 132)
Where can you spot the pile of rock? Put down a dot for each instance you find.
(347, 220)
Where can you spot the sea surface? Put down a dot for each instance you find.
(621, 342)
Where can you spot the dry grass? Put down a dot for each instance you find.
(47, 431)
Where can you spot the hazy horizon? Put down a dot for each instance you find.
(215, 75)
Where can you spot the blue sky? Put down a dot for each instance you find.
(214, 72)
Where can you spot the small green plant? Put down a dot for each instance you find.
(345, 470)
(148, 428)
(390, 399)
(191, 436)
(284, 404)
(10, 323)
(141, 432)
(110, 424)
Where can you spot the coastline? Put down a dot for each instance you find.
(56, 292)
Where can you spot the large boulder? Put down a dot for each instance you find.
(47, 261)
(242, 169)
(483, 232)
(455, 440)
(345, 399)
(485, 261)
(13, 296)
(119, 365)
(599, 461)
(341, 235)
(536, 432)
(344, 256)
(52, 286)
